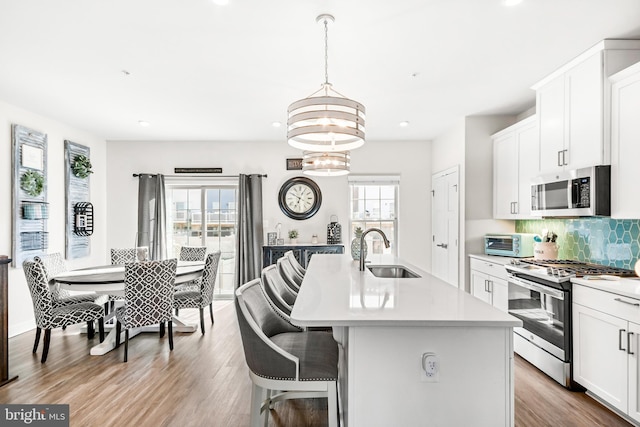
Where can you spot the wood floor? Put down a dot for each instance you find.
(204, 382)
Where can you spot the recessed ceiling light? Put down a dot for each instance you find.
(276, 124)
(220, 2)
(404, 124)
(143, 123)
(511, 2)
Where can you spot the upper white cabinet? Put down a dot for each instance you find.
(516, 159)
(574, 106)
(625, 146)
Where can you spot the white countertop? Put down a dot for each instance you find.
(335, 293)
(626, 286)
(493, 258)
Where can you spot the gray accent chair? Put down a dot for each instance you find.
(294, 262)
(284, 362)
(202, 296)
(289, 274)
(49, 316)
(277, 290)
(148, 298)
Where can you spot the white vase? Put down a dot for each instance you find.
(293, 241)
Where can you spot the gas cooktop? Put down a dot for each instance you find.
(579, 268)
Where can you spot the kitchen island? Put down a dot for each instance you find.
(389, 328)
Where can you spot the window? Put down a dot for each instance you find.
(374, 204)
(205, 215)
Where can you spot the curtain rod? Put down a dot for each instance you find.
(135, 175)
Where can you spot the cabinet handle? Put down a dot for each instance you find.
(490, 286)
(620, 332)
(629, 343)
(564, 157)
(559, 160)
(635, 304)
(515, 207)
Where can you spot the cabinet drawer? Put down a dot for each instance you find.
(491, 268)
(606, 302)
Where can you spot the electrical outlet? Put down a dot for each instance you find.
(429, 368)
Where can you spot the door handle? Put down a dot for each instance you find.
(442, 245)
(629, 343)
(635, 304)
(620, 332)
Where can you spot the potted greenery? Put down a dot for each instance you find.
(81, 166)
(293, 236)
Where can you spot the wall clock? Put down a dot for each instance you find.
(300, 198)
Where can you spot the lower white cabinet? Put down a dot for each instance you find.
(606, 329)
(489, 283)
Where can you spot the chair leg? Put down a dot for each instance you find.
(126, 344)
(170, 323)
(101, 328)
(91, 330)
(161, 329)
(258, 395)
(202, 320)
(118, 327)
(45, 350)
(37, 341)
(177, 311)
(332, 404)
(106, 308)
(211, 312)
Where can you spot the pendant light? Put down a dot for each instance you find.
(326, 120)
(333, 163)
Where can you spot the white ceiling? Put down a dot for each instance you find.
(199, 71)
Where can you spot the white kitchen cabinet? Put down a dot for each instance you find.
(489, 283)
(574, 106)
(516, 160)
(605, 347)
(625, 149)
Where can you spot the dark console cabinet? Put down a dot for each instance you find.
(303, 253)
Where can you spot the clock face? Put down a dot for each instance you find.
(300, 198)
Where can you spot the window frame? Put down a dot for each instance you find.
(376, 180)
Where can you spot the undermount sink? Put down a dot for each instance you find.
(392, 271)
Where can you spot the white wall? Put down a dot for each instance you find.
(468, 144)
(20, 307)
(410, 160)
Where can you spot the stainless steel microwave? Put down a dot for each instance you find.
(580, 192)
(517, 245)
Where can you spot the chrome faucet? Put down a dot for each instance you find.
(362, 255)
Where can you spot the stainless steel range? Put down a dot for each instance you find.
(540, 296)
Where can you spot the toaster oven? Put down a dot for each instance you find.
(517, 245)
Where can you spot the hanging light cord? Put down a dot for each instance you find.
(326, 51)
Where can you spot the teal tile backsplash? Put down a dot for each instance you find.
(605, 241)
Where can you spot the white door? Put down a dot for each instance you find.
(444, 225)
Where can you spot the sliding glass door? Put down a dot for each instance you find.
(205, 216)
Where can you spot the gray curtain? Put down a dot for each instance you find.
(250, 232)
(152, 218)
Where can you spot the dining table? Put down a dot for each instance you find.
(109, 280)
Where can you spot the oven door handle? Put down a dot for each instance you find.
(536, 287)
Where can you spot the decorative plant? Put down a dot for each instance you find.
(81, 166)
(293, 234)
(32, 183)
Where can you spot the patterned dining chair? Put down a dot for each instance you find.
(53, 264)
(203, 295)
(148, 298)
(193, 253)
(121, 256)
(48, 316)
